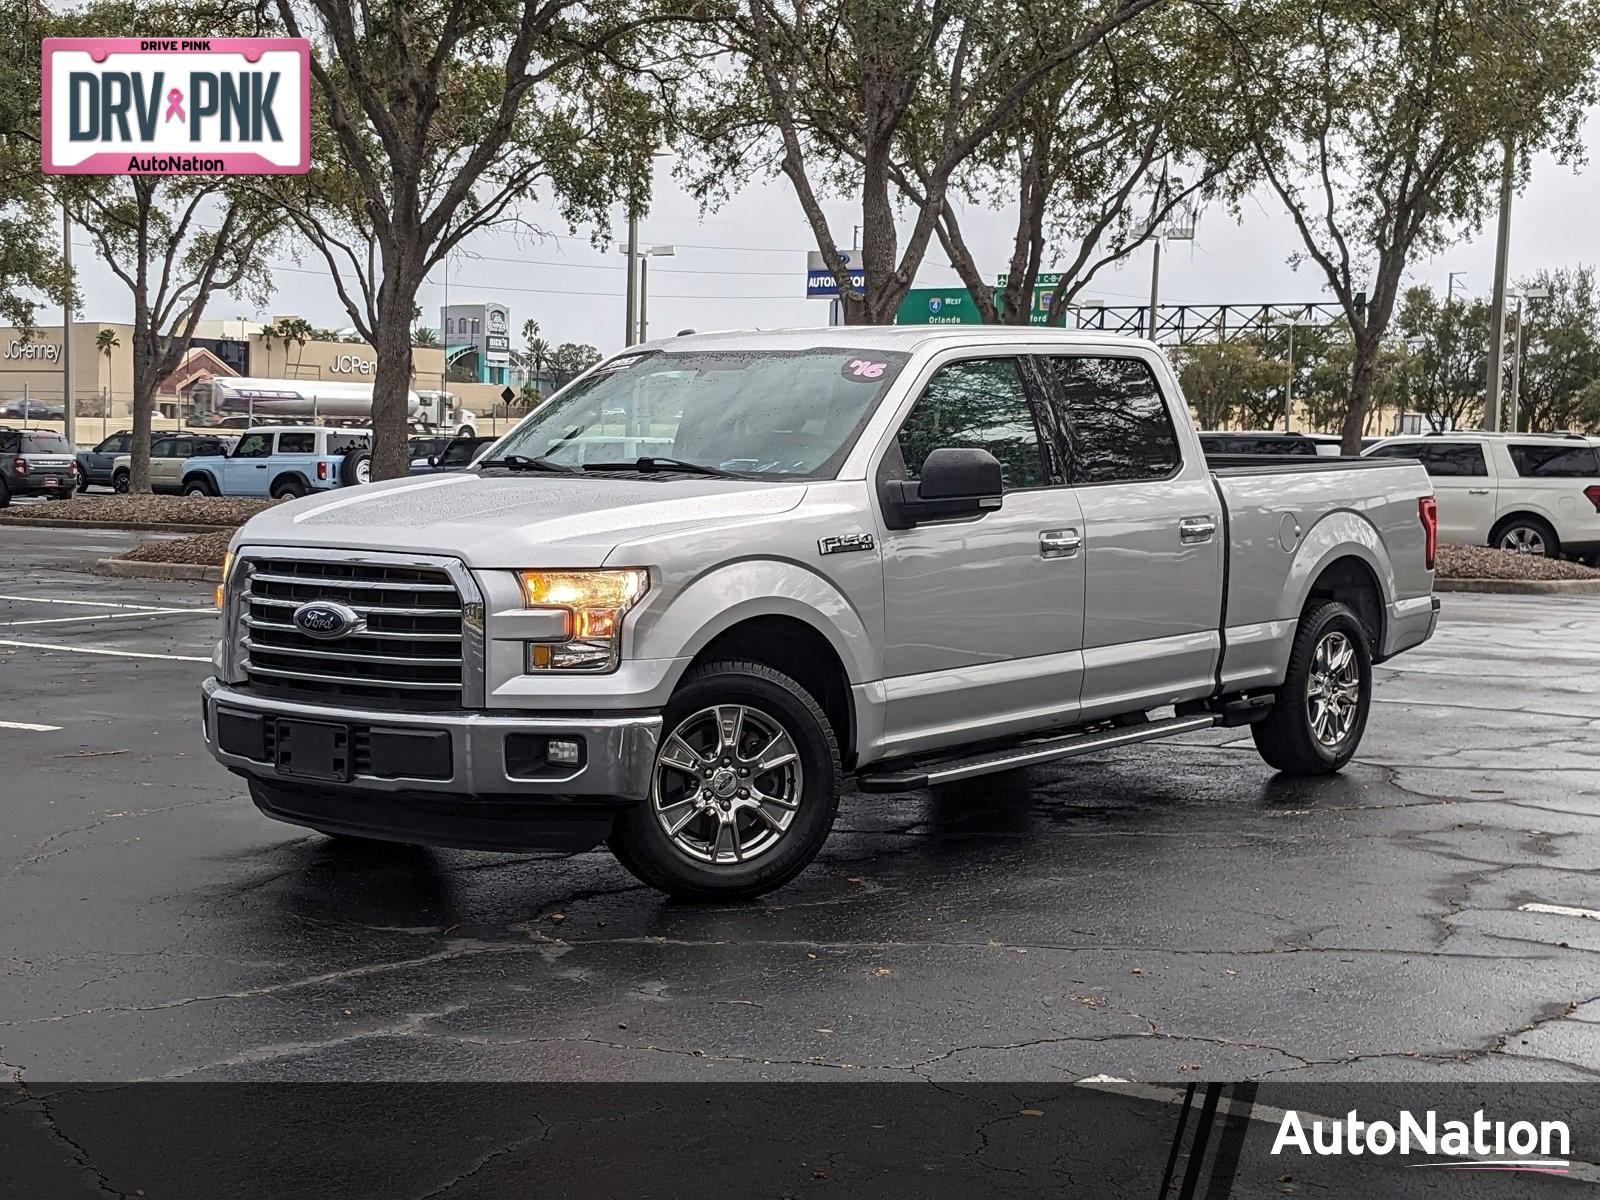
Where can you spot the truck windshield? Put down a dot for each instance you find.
(761, 414)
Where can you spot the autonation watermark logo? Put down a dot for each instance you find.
(1481, 1144)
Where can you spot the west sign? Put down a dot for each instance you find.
(177, 106)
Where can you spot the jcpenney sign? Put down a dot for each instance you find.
(162, 106)
(33, 351)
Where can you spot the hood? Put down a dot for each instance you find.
(513, 520)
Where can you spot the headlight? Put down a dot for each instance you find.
(595, 603)
(227, 569)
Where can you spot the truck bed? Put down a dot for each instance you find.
(1285, 464)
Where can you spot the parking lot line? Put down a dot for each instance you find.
(104, 604)
(1560, 910)
(29, 727)
(98, 650)
(117, 616)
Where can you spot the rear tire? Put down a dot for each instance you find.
(1526, 535)
(121, 481)
(289, 489)
(1321, 710)
(738, 828)
(5, 494)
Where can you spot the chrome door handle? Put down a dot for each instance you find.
(1193, 530)
(1478, 491)
(1059, 543)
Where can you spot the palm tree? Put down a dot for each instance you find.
(298, 331)
(266, 333)
(422, 335)
(106, 341)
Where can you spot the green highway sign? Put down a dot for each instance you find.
(1047, 279)
(954, 306)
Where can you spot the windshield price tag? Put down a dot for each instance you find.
(864, 369)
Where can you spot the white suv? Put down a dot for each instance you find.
(1528, 492)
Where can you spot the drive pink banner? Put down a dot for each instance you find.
(185, 106)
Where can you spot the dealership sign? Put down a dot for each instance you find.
(177, 106)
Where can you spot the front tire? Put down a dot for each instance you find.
(120, 482)
(744, 789)
(1321, 710)
(198, 487)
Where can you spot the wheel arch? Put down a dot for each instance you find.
(282, 476)
(1522, 514)
(1343, 557)
(190, 476)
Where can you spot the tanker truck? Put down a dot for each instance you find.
(240, 402)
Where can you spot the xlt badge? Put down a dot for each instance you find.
(844, 543)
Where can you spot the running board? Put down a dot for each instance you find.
(954, 769)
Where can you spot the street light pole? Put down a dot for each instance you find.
(1513, 412)
(1155, 284)
(632, 252)
(67, 415)
(1288, 386)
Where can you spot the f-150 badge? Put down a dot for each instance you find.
(845, 543)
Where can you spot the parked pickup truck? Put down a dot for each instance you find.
(281, 462)
(904, 555)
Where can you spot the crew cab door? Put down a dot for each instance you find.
(245, 472)
(983, 613)
(1153, 535)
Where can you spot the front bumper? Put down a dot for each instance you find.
(618, 751)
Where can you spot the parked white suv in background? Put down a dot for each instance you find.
(1528, 492)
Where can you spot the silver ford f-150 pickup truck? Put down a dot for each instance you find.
(682, 601)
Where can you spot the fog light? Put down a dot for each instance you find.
(563, 752)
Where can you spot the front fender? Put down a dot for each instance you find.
(721, 598)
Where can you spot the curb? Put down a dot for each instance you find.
(1521, 587)
(125, 526)
(206, 572)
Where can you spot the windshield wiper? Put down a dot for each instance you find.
(521, 462)
(649, 463)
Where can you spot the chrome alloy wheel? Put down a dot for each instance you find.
(1523, 539)
(727, 784)
(1333, 689)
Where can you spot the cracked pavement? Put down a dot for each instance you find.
(1166, 912)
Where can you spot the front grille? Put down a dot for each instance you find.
(408, 656)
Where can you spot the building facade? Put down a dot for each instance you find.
(477, 340)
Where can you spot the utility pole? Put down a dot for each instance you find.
(1155, 284)
(630, 334)
(67, 406)
(1497, 311)
(1288, 385)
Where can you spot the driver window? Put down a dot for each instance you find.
(978, 403)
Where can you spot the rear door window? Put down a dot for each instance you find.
(1555, 461)
(1453, 458)
(1121, 430)
(297, 443)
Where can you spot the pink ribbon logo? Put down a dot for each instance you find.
(175, 105)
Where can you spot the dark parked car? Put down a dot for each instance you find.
(457, 456)
(35, 462)
(426, 446)
(1251, 442)
(36, 410)
(94, 466)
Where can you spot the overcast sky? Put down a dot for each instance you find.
(744, 265)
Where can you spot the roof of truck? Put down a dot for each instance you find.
(887, 337)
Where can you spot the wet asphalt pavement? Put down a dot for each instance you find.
(1166, 912)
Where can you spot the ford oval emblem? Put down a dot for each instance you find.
(326, 621)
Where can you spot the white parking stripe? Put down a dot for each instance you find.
(98, 650)
(1560, 910)
(119, 616)
(101, 603)
(29, 727)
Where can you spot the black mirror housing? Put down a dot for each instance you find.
(957, 482)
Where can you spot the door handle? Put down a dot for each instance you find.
(1193, 530)
(1059, 543)
(1478, 491)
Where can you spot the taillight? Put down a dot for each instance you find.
(322, 470)
(20, 466)
(1593, 492)
(1428, 511)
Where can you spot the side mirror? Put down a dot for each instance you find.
(956, 483)
(433, 460)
